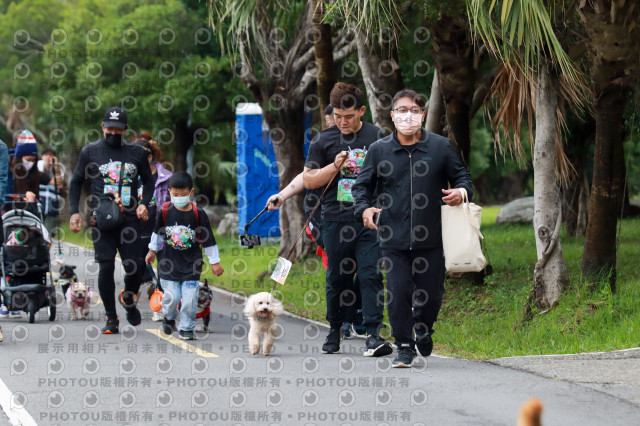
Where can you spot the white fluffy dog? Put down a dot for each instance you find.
(262, 309)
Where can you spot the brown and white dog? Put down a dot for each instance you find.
(262, 310)
(79, 297)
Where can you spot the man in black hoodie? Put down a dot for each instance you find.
(100, 162)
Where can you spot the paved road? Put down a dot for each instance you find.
(66, 373)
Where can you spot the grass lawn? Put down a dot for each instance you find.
(478, 321)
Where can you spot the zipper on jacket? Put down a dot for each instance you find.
(410, 201)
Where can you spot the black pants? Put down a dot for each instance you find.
(415, 279)
(352, 248)
(125, 240)
(351, 311)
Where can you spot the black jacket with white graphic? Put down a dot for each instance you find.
(100, 164)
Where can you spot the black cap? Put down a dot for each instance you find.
(115, 117)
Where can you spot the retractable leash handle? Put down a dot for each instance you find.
(246, 227)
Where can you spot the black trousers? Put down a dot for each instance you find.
(415, 286)
(126, 241)
(352, 248)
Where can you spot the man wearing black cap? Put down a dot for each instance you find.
(100, 162)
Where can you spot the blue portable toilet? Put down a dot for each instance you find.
(257, 171)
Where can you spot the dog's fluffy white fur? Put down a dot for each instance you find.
(262, 309)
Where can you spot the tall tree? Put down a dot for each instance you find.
(273, 41)
(153, 59)
(454, 56)
(613, 52)
(323, 51)
(377, 25)
(536, 65)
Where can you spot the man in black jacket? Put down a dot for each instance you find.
(100, 162)
(335, 158)
(411, 169)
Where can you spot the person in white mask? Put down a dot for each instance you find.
(412, 170)
(25, 176)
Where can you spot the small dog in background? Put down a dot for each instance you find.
(205, 296)
(79, 297)
(530, 413)
(66, 277)
(262, 310)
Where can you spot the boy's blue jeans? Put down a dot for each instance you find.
(173, 292)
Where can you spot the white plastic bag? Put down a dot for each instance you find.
(461, 236)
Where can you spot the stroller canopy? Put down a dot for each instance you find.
(19, 217)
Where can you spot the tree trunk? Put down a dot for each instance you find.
(183, 140)
(378, 60)
(454, 58)
(550, 274)
(612, 30)
(575, 194)
(436, 107)
(599, 256)
(323, 50)
(583, 207)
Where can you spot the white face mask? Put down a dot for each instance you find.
(181, 201)
(408, 124)
(28, 164)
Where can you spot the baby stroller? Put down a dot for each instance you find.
(24, 259)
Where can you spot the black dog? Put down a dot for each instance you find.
(205, 295)
(67, 276)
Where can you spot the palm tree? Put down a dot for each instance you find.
(521, 34)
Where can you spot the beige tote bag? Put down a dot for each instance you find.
(461, 236)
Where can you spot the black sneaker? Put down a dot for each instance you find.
(186, 335)
(424, 343)
(332, 344)
(168, 326)
(406, 354)
(129, 303)
(346, 330)
(111, 327)
(377, 346)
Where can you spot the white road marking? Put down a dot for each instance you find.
(18, 416)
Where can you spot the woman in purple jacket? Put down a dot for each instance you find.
(160, 196)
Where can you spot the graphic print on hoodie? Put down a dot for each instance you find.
(111, 174)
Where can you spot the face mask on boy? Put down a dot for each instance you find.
(181, 201)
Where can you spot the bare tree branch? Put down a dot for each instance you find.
(301, 62)
(345, 51)
(307, 78)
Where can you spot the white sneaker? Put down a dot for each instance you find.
(4, 312)
(157, 316)
(15, 314)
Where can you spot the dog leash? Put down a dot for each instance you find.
(153, 276)
(307, 222)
